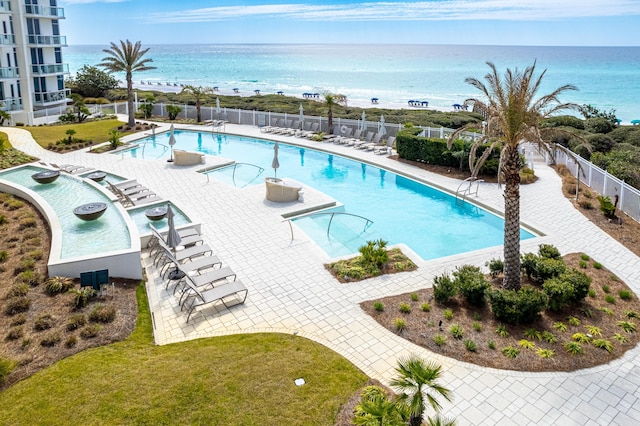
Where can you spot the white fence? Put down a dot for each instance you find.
(603, 183)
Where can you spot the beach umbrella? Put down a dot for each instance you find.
(173, 238)
(382, 129)
(301, 118)
(363, 124)
(275, 163)
(218, 110)
(172, 142)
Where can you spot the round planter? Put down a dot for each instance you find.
(47, 176)
(90, 211)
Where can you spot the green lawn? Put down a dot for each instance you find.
(97, 131)
(232, 380)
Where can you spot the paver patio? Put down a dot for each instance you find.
(291, 292)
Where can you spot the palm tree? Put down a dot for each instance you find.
(127, 58)
(417, 382)
(333, 99)
(198, 94)
(376, 409)
(513, 114)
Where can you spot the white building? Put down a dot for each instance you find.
(31, 69)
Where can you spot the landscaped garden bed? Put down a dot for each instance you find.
(599, 328)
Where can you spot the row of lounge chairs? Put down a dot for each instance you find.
(131, 193)
(197, 275)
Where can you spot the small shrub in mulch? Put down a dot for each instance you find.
(360, 268)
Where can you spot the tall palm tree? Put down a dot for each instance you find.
(331, 100)
(417, 382)
(198, 94)
(376, 409)
(513, 114)
(127, 58)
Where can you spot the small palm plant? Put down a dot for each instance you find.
(417, 382)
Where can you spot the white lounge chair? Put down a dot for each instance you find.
(233, 290)
(204, 281)
(372, 144)
(387, 149)
(364, 142)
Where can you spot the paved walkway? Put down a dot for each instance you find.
(291, 292)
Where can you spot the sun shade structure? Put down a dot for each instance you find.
(275, 163)
(173, 238)
(172, 142)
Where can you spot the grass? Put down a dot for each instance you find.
(242, 379)
(96, 131)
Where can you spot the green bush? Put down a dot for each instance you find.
(374, 255)
(610, 299)
(439, 339)
(549, 251)
(3, 256)
(448, 314)
(496, 267)
(55, 285)
(606, 206)
(580, 282)
(443, 288)
(625, 294)
(6, 367)
(547, 268)
(574, 348)
(456, 331)
(510, 352)
(471, 283)
(598, 125)
(81, 296)
(103, 314)
(560, 293)
(378, 306)
(517, 307)
(470, 345)
(564, 121)
(414, 297)
(400, 324)
(405, 308)
(502, 331)
(18, 290)
(426, 307)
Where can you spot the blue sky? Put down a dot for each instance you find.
(493, 22)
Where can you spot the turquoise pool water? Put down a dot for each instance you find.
(429, 221)
(80, 238)
(142, 221)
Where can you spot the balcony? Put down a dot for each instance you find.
(9, 72)
(7, 39)
(44, 11)
(5, 6)
(44, 98)
(46, 40)
(11, 104)
(44, 69)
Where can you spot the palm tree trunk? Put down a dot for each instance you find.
(511, 173)
(198, 112)
(132, 117)
(330, 120)
(415, 421)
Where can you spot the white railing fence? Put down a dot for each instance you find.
(602, 182)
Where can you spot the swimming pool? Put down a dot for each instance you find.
(429, 221)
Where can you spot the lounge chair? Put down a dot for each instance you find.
(186, 267)
(293, 129)
(271, 129)
(221, 293)
(354, 139)
(345, 135)
(159, 253)
(387, 148)
(371, 145)
(313, 129)
(205, 281)
(364, 142)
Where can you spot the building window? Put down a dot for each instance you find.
(60, 82)
(55, 26)
(33, 26)
(58, 54)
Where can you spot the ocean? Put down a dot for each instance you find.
(607, 77)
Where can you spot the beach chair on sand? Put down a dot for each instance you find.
(229, 294)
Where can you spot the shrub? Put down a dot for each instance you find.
(549, 337)
(18, 320)
(597, 265)
(6, 367)
(75, 321)
(30, 277)
(624, 294)
(592, 293)
(594, 331)
(606, 206)
(580, 337)
(374, 254)
(583, 264)
(448, 314)
(81, 296)
(606, 311)
(584, 257)
(631, 314)
(603, 344)
(471, 283)
(526, 344)
(17, 305)
(3, 256)
(510, 352)
(426, 307)
(548, 251)
(51, 339)
(560, 326)
(546, 353)
(15, 333)
(55, 285)
(627, 326)
(456, 331)
(71, 342)
(585, 204)
(610, 299)
(587, 312)
(43, 322)
(18, 290)
(606, 288)
(378, 306)
(477, 326)
(470, 345)
(532, 333)
(496, 267)
(547, 268)
(573, 321)
(439, 339)
(574, 348)
(598, 125)
(620, 338)
(502, 331)
(414, 297)
(443, 288)
(517, 307)
(90, 331)
(491, 344)
(405, 308)
(560, 293)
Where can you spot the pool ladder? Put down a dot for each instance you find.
(367, 223)
(461, 194)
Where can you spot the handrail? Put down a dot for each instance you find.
(233, 176)
(467, 190)
(144, 145)
(368, 222)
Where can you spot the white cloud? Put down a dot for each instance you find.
(513, 10)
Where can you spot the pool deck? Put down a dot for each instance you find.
(291, 292)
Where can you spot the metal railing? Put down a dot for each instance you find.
(9, 72)
(6, 39)
(5, 6)
(50, 69)
(367, 224)
(461, 195)
(34, 9)
(47, 40)
(47, 97)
